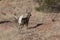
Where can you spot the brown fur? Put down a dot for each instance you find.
(25, 20)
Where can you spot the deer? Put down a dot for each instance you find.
(24, 19)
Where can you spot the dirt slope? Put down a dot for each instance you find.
(41, 25)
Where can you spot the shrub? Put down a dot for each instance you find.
(48, 5)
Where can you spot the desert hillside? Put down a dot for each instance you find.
(42, 25)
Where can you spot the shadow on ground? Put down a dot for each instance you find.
(1, 22)
(36, 26)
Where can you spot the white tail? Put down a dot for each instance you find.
(20, 19)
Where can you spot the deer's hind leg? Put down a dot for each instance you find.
(26, 24)
(21, 26)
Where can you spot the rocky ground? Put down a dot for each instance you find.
(42, 26)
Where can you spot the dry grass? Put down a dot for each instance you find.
(49, 30)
